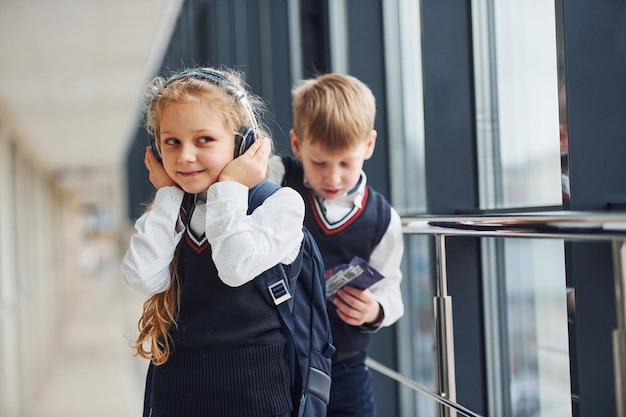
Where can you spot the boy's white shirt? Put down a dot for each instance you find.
(243, 246)
(386, 257)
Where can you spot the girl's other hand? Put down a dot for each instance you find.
(250, 168)
(158, 177)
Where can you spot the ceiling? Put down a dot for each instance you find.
(71, 77)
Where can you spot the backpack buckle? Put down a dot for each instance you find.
(279, 292)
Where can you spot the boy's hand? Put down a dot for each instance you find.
(250, 168)
(157, 175)
(356, 307)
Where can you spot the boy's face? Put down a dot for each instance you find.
(195, 144)
(332, 173)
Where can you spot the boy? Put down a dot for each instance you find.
(333, 134)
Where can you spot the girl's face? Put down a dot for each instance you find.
(196, 144)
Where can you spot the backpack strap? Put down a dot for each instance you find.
(279, 286)
(276, 284)
(266, 284)
(258, 194)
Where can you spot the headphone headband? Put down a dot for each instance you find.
(221, 80)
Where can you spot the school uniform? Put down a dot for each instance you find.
(363, 224)
(228, 355)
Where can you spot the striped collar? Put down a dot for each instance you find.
(333, 216)
(354, 197)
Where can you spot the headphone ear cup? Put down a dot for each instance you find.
(244, 139)
(155, 149)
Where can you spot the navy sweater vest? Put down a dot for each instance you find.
(229, 353)
(355, 235)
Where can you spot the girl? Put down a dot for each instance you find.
(216, 346)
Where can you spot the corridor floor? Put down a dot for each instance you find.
(95, 373)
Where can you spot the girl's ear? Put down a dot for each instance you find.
(295, 143)
(370, 144)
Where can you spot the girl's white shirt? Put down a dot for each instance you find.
(243, 246)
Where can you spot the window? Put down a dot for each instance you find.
(408, 191)
(519, 166)
(517, 103)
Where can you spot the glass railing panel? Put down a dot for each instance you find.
(536, 328)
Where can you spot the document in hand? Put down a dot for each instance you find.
(358, 274)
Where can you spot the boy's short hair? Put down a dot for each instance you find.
(336, 110)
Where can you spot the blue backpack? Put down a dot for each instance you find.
(299, 293)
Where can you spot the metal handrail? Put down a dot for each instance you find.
(569, 225)
(556, 224)
(377, 366)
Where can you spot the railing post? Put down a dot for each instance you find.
(619, 334)
(446, 384)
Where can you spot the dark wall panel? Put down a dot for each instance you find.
(594, 49)
(452, 180)
(366, 62)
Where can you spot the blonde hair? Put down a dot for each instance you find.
(161, 310)
(336, 110)
(189, 84)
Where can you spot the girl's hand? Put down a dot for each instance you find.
(158, 177)
(250, 168)
(356, 307)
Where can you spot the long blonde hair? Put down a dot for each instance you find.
(161, 310)
(159, 314)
